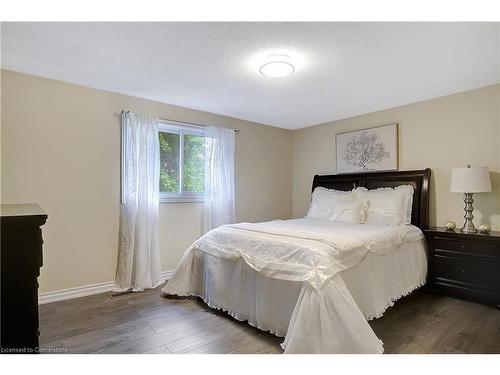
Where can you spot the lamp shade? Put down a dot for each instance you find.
(470, 180)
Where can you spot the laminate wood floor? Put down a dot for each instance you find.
(146, 323)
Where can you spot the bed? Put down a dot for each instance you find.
(315, 283)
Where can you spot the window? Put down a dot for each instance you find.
(182, 162)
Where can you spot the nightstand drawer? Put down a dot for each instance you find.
(477, 273)
(466, 247)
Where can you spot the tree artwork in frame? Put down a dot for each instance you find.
(367, 150)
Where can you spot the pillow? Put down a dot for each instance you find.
(334, 205)
(320, 189)
(388, 206)
(409, 201)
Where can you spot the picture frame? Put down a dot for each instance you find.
(368, 150)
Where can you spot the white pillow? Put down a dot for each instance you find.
(409, 201)
(387, 205)
(340, 192)
(335, 205)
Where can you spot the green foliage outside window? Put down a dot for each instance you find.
(194, 163)
(169, 162)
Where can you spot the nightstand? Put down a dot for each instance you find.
(464, 265)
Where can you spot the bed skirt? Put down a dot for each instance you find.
(332, 320)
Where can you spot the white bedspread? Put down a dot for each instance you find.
(326, 318)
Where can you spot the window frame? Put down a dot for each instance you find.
(182, 129)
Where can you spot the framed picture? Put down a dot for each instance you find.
(374, 149)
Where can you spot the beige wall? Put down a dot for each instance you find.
(441, 134)
(61, 148)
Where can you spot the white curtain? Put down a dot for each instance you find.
(139, 256)
(219, 177)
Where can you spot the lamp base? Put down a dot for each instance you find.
(468, 225)
(468, 230)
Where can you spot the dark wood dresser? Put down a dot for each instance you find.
(21, 257)
(464, 265)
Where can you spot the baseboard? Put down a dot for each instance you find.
(82, 291)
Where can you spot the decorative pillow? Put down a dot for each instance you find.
(334, 205)
(387, 205)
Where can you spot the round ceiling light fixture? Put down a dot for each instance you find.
(277, 66)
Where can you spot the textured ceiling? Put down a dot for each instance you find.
(342, 69)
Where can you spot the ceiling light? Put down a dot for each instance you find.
(277, 66)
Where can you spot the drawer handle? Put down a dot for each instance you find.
(463, 270)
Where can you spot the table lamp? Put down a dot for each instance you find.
(468, 181)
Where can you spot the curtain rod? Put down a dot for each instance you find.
(236, 131)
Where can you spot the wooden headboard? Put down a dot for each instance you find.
(418, 179)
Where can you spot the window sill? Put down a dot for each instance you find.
(181, 200)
